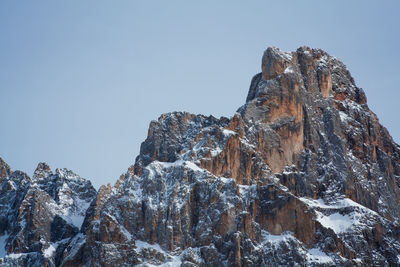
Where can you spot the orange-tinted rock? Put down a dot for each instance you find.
(303, 170)
(274, 63)
(222, 185)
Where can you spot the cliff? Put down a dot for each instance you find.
(301, 174)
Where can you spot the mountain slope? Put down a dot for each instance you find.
(40, 215)
(302, 174)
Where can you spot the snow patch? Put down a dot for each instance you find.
(48, 252)
(344, 117)
(341, 203)
(144, 245)
(269, 238)
(228, 133)
(15, 255)
(157, 166)
(314, 255)
(318, 256)
(247, 143)
(289, 70)
(338, 217)
(215, 152)
(193, 166)
(337, 222)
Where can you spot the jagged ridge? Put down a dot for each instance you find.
(302, 174)
(39, 216)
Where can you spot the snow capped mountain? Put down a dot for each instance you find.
(302, 174)
(41, 214)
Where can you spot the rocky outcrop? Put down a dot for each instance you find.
(302, 174)
(303, 169)
(41, 215)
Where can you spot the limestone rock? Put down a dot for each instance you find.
(40, 216)
(303, 174)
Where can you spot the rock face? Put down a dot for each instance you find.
(39, 216)
(302, 174)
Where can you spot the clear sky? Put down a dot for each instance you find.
(80, 81)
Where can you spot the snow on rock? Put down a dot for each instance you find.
(170, 260)
(49, 252)
(337, 222)
(233, 191)
(315, 255)
(44, 213)
(276, 244)
(228, 133)
(343, 215)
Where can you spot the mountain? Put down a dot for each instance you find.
(40, 215)
(302, 174)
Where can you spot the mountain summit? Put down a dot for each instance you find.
(302, 174)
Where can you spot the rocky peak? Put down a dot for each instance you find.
(302, 174)
(274, 63)
(170, 136)
(5, 170)
(37, 218)
(42, 171)
(274, 177)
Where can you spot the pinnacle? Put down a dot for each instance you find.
(4, 169)
(274, 63)
(42, 171)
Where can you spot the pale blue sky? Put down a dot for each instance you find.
(80, 81)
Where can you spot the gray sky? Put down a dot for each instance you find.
(80, 81)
